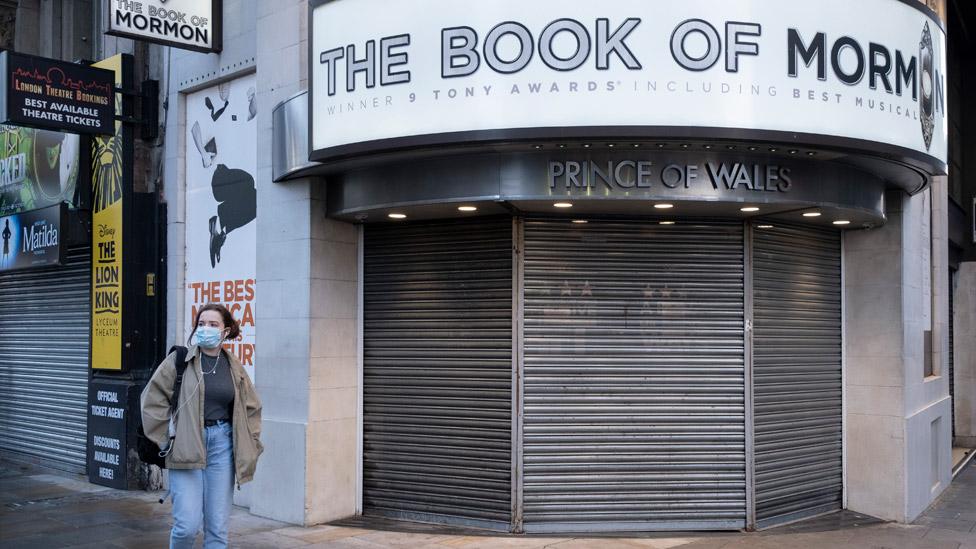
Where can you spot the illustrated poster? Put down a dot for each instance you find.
(221, 205)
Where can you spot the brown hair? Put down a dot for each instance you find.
(234, 329)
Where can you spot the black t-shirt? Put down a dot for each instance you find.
(218, 400)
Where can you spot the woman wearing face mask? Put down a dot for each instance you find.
(213, 437)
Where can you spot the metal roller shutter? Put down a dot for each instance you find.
(44, 335)
(437, 338)
(633, 376)
(952, 358)
(797, 372)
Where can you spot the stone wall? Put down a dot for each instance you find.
(897, 436)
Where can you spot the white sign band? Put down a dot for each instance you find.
(868, 75)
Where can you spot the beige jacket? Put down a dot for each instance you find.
(189, 448)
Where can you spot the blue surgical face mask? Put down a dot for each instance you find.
(208, 337)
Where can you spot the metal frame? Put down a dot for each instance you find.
(750, 443)
(791, 518)
(360, 281)
(518, 285)
(495, 527)
(843, 369)
(923, 164)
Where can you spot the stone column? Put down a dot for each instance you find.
(965, 354)
(928, 425)
(333, 433)
(283, 260)
(897, 418)
(27, 38)
(307, 269)
(874, 376)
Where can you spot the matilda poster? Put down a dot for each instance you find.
(221, 205)
(38, 168)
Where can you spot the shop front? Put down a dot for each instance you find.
(604, 251)
(635, 349)
(44, 286)
(70, 368)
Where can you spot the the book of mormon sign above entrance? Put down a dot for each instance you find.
(866, 75)
(187, 24)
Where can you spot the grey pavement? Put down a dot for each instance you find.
(39, 509)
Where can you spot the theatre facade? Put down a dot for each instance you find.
(582, 267)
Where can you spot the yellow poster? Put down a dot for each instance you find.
(107, 181)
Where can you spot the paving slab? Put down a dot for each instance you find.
(260, 540)
(966, 538)
(43, 510)
(320, 534)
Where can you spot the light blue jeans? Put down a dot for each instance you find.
(203, 497)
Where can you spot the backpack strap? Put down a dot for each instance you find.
(181, 365)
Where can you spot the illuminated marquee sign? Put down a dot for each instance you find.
(438, 72)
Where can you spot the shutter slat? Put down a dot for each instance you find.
(437, 358)
(634, 371)
(797, 372)
(44, 342)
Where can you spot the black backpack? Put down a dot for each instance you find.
(148, 450)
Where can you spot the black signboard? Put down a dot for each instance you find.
(32, 239)
(56, 95)
(109, 404)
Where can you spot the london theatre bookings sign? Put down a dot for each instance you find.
(45, 93)
(870, 74)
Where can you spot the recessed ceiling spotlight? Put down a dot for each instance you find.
(537, 147)
(561, 146)
(397, 216)
(842, 222)
(586, 145)
(811, 153)
(636, 145)
(685, 145)
(773, 149)
(666, 223)
(580, 221)
(467, 209)
(611, 145)
(563, 205)
(661, 145)
(812, 214)
(664, 206)
(730, 147)
(749, 209)
(753, 149)
(708, 147)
